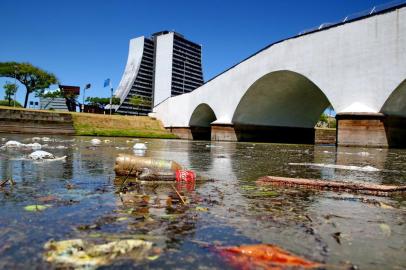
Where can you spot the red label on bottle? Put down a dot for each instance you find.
(185, 176)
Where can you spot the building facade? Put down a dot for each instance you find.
(58, 104)
(157, 68)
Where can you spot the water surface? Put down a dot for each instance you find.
(232, 210)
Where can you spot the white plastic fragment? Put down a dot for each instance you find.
(363, 154)
(36, 139)
(46, 139)
(140, 146)
(95, 141)
(41, 155)
(12, 144)
(33, 146)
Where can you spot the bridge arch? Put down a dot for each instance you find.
(281, 106)
(200, 122)
(394, 121)
(395, 104)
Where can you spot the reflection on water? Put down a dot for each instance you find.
(332, 228)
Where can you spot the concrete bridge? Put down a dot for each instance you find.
(357, 66)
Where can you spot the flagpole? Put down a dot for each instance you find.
(111, 98)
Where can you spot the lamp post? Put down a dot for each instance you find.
(84, 94)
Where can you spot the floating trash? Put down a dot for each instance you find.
(263, 256)
(33, 146)
(79, 254)
(342, 167)
(140, 146)
(37, 155)
(95, 141)
(363, 154)
(13, 144)
(36, 207)
(35, 139)
(46, 139)
(139, 152)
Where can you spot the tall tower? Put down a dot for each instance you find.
(157, 68)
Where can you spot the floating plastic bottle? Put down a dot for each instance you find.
(134, 165)
(178, 175)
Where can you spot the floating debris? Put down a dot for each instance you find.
(263, 256)
(33, 146)
(342, 167)
(140, 146)
(95, 141)
(362, 187)
(80, 254)
(35, 139)
(13, 144)
(37, 155)
(36, 207)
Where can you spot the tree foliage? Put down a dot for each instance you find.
(6, 103)
(140, 101)
(102, 102)
(33, 78)
(10, 89)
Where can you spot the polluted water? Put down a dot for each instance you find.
(76, 213)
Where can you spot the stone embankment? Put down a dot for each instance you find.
(35, 122)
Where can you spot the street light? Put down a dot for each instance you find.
(84, 94)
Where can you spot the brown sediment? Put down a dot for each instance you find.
(360, 187)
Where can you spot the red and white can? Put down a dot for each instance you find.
(185, 176)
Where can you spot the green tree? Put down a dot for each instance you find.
(33, 78)
(10, 89)
(102, 102)
(137, 101)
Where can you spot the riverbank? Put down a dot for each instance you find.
(87, 124)
(20, 120)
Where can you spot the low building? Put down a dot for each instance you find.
(58, 104)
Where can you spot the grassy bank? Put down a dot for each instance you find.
(89, 124)
(119, 126)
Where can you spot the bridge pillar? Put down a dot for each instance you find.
(182, 132)
(370, 130)
(223, 132)
(191, 133)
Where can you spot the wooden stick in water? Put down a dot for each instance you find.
(177, 192)
(3, 183)
(362, 187)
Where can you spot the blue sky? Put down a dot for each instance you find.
(86, 41)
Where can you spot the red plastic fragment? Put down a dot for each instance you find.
(185, 176)
(263, 256)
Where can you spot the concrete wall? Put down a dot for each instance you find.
(163, 67)
(131, 69)
(356, 66)
(35, 122)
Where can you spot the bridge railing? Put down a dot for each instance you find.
(357, 15)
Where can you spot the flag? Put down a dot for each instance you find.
(107, 82)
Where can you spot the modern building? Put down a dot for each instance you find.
(58, 104)
(157, 68)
